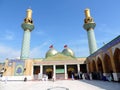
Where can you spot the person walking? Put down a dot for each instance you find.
(72, 73)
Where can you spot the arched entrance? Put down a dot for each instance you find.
(100, 68)
(99, 65)
(36, 71)
(117, 59)
(90, 66)
(107, 63)
(93, 66)
(72, 70)
(48, 70)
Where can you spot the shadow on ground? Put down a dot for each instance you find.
(103, 84)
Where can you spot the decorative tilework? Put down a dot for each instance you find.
(19, 66)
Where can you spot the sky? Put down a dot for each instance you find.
(57, 23)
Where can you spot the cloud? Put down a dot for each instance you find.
(8, 35)
(8, 52)
(36, 52)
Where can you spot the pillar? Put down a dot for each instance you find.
(54, 72)
(41, 69)
(78, 67)
(65, 67)
(41, 72)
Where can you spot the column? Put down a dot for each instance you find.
(41, 72)
(78, 66)
(54, 72)
(41, 69)
(65, 67)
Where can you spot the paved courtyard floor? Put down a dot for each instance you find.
(60, 85)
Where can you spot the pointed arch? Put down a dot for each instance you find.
(93, 66)
(117, 59)
(107, 63)
(89, 67)
(99, 65)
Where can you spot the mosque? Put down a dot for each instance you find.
(60, 65)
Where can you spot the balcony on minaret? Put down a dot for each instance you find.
(28, 20)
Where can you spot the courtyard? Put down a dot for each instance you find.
(60, 85)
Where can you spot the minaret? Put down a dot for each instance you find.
(89, 26)
(27, 26)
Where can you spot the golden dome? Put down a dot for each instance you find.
(51, 52)
(67, 51)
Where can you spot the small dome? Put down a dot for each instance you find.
(51, 52)
(67, 51)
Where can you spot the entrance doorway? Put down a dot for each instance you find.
(72, 70)
(83, 68)
(48, 70)
(36, 71)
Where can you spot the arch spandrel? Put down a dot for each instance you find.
(98, 57)
(114, 48)
(105, 53)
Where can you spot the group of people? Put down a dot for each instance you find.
(80, 75)
(95, 76)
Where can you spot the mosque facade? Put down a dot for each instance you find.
(61, 65)
(57, 64)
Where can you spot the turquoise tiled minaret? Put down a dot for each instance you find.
(89, 26)
(27, 26)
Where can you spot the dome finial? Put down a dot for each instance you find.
(65, 46)
(51, 46)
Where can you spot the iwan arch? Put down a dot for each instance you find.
(103, 61)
